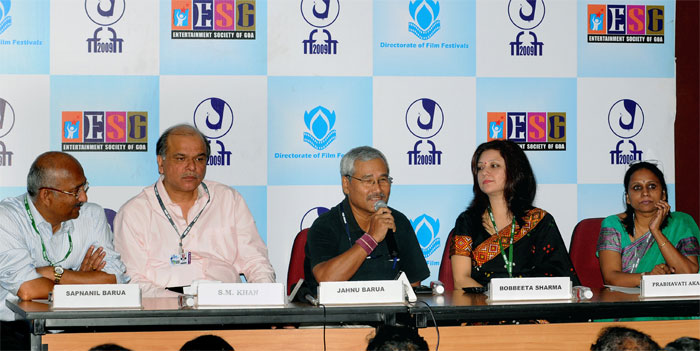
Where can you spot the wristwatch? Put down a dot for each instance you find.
(57, 274)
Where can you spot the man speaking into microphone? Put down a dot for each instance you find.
(361, 238)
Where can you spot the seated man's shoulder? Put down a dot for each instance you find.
(91, 209)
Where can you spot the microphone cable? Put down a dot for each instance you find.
(437, 330)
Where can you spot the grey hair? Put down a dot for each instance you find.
(179, 129)
(362, 153)
(42, 172)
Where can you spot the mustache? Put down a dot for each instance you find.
(376, 196)
(190, 174)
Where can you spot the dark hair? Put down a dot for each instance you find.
(109, 347)
(397, 338)
(684, 343)
(520, 188)
(207, 342)
(179, 129)
(628, 221)
(622, 338)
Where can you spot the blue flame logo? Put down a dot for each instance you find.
(424, 13)
(319, 121)
(427, 229)
(5, 19)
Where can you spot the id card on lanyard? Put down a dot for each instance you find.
(182, 257)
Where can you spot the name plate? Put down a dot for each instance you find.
(240, 294)
(361, 292)
(96, 296)
(540, 288)
(670, 285)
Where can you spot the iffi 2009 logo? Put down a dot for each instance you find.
(319, 123)
(105, 14)
(214, 118)
(5, 19)
(625, 120)
(7, 121)
(526, 15)
(427, 229)
(424, 14)
(320, 14)
(424, 119)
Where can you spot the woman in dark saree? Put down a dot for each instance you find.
(501, 234)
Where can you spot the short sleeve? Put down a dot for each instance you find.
(462, 242)
(609, 237)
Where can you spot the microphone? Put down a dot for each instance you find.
(390, 239)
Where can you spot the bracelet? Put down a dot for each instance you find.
(367, 243)
(662, 245)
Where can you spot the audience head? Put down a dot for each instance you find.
(622, 338)
(365, 178)
(684, 343)
(501, 168)
(643, 181)
(109, 347)
(397, 338)
(183, 152)
(207, 343)
(57, 186)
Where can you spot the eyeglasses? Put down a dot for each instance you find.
(84, 188)
(368, 182)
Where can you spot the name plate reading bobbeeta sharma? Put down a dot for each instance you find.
(361, 292)
(523, 289)
(240, 295)
(669, 285)
(97, 296)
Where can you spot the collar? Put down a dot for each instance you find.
(41, 224)
(166, 197)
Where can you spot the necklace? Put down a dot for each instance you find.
(508, 260)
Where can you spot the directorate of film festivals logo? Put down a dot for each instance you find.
(214, 118)
(424, 119)
(642, 24)
(531, 130)
(105, 13)
(124, 131)
(427, 229)
(320, 14)
(425, 18)
(625, 120)
(5, 18)
(526, 15)
(7, 121)
(212, 19)
(319, 123)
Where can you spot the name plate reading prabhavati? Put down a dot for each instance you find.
(240, 294)
(669, 285)
(361, 292)
(540, 288)
(97, 296)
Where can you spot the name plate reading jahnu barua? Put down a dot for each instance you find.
(240, 295)
(361, 292)
(540, 288)
(97, 296)
(669, 285)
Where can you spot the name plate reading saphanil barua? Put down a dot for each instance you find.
(361, 292)
(669, 285)
(240, 295)
(540, 288)
(97, 296)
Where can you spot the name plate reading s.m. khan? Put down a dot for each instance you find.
(97, 296)
(540, 288)
(361, 292)
(669, 285)
(240, 294)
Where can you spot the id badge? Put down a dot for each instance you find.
(183, 258)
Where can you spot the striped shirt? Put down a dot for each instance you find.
(21, 252)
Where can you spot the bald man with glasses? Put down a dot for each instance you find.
(52, 235)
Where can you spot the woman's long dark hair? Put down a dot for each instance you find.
(520, 187)
(628, 221)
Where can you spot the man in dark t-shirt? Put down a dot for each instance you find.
(355, 239)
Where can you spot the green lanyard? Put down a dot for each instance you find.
(508, 260)
(43, 247)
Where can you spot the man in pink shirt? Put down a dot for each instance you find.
(183, 228)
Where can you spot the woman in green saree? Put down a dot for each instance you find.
(647, 238)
